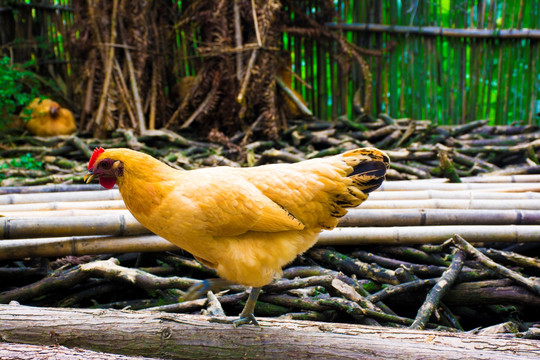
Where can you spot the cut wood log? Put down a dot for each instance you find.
(172, 336)
(12, 351)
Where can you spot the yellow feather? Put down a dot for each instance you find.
(249, 222)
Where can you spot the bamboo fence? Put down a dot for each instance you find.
(450, 61)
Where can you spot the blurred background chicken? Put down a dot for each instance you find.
(48, 118)
(247, 223)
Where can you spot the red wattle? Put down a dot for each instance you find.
(107, 183)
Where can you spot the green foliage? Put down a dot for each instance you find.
(24, 162)
(19, 87)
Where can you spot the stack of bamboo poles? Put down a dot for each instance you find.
(55, 221)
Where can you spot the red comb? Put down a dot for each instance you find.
(94, 157)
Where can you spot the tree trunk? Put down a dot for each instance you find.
(175, 336)
(10, 351)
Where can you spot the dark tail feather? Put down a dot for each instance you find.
(370, 171)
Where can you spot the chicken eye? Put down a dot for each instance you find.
(105, 165)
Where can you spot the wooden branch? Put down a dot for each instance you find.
(299, 104)
(354, 266)
(247, 76)
(438, 291)
(153, 98)
(238, 41)
(108, 69)
(109, 269)
(501, 291)
(203, 106)
(135, 91)
(256, 23)
(531, 284)
(189, 336)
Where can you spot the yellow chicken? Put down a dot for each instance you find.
(247, 223)
(48, 118)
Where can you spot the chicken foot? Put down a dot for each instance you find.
(246, 316)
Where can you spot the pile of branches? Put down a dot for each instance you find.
(452, 286)
(418, 149)
(359, 280)
(214, 66)
(119, 51)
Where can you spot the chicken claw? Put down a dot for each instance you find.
(246, 316)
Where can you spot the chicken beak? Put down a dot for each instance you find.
(89, 177)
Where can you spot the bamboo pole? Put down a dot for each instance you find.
(120, 222)
(402, 155)
(420, 217)
(439, 31)
(440, 194)
(62, 213)
(116, 225)
(429, 234)
(48, 188)
(87, 245)
(57, 197)
(521, 204)
(66, 205)
(433, 185)
(82, 245)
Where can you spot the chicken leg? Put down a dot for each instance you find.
(247, 316)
